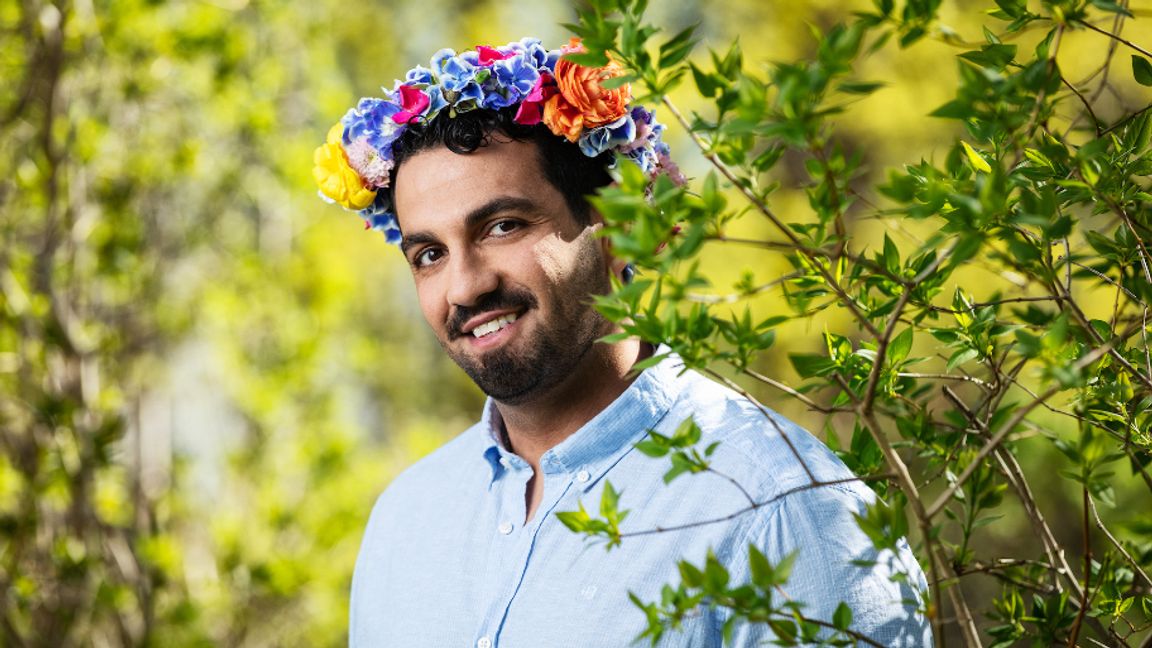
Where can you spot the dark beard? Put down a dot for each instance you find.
(516, 376)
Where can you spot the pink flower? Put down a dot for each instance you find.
(531, 109)
(489, 55)
(373, 169)
(413, 103)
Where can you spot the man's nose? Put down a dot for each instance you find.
(470, 276)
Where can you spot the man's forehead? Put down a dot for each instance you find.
(438, 187)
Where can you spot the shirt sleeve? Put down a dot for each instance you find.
(818, 524)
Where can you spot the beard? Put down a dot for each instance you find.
(517, 372)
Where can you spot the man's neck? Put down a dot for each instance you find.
(535, 427)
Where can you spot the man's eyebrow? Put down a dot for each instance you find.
(474, 217)
(497, 205)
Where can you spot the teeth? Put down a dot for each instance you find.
(494, 325)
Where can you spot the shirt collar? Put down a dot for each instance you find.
(602, 441)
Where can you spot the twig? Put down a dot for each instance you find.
(1116, 543)
(752, 507)
(771, 419)
(790, 391)
(763, 208)
(1007, 426)
(1075, 632)
(1115, 37)
(936, 562)
(935, 376)
(732, 480)
(884, 340)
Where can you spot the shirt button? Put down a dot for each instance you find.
(583, 476)
(504, 528)
(484, 642)
(504, 462)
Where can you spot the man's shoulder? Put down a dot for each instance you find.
(449, 464)
(763, 449)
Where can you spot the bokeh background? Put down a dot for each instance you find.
(207, 374)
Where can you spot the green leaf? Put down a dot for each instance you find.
(707, 84)
(763, 576)
(653, 448)
(609, 500)
(618, 81)
(995, 56)
(860, 87)
(1111, 7)
(974, 159)
(1013, 8)
(1141, 70)
(900, 346)
(678, 47)
(807, 365)
(842, 617)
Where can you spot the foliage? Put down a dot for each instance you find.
(1003, 311)
(148, 155)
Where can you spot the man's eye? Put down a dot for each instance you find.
(426, 256)
(503, 228)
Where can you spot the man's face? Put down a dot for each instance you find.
(502, 268)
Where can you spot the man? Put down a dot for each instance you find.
(465, 548)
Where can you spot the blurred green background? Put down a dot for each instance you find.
(206, 373)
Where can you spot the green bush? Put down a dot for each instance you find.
(983, 317)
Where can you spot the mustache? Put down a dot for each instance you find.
(496, 300)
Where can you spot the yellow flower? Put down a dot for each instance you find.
(336, 178)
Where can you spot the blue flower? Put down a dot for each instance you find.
(596, 141)
(420, 75)
(437, 101)
(371, 120)
(534, 52)
(518, 75)
(384, 222)
(455, 73)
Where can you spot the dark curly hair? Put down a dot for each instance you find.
(575, 175)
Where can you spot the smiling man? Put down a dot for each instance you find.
(480, 167)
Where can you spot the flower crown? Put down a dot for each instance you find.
(354, 165)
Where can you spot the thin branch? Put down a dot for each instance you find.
(1087, 538)
(1007, 427)
(751, 507)
(1123, 122)
(936, 561)
(1115, 37)
(1116, 543)
(935, 376)
(735, 297)
(738, 485)
(771, 419)
(791, 392)
(884, 340)
(763, 208)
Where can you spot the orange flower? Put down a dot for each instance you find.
(583, 102)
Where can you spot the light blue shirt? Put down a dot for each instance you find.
(448, 560)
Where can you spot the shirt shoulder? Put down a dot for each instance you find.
(758, 447)
(458, 462)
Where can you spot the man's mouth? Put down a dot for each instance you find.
(491, 327)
